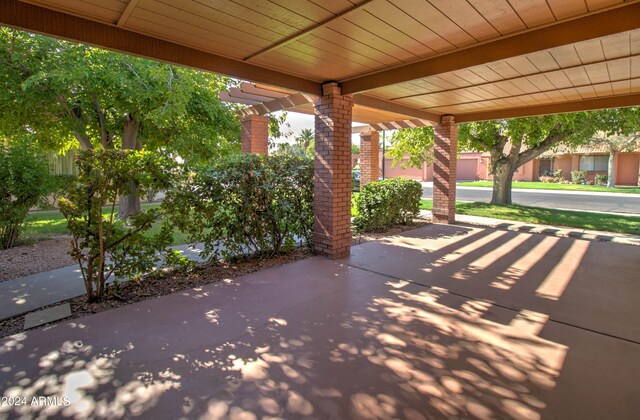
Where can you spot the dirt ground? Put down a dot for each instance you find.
(34, 258)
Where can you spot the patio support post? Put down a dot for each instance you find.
(332, 173)
(255, 134)
(369, 155)
(444, 170)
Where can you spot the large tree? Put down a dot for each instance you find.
(64, 95)
(510, 143)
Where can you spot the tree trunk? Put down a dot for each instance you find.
(502, 179)
(85, 143)
(611, 177)
(130, 203)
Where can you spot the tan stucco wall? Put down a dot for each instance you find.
(399, 172)
(564, 163)
(628, 169)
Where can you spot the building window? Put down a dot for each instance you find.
(594, 163)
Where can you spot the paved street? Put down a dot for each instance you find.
(573, 200)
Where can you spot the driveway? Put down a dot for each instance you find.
(571, 200)
(441, 321)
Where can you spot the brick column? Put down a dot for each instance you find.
(444, 170)
(255, 134)
(369, 156)
(332, 167)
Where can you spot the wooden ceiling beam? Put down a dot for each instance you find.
(621, 19)
(619, 101)
(279, 104)
(127, 12)
(298, 99)
(248, 87)
(384, 105)
(305, 31)
(392, 125)
(19, 15)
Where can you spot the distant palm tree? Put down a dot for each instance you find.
(305, 138)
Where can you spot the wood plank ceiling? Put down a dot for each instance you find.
(344, 40)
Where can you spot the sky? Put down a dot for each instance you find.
(298, 122)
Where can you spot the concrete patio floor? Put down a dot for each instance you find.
(441, 321)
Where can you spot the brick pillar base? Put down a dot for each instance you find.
(332, 179)
(444, 170)
(369, 155)
(255, 134)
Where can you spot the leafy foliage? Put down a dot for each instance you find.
(413, 143)
(56, 186)
(23, 183)
(247, 204)
(600, 179)
(67, 95)
(278, 126)
(386, 203)
(96, 236)
(619, 131)
(579, 177)
(302, 146)
(512, 143)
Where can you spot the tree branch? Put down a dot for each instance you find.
(536, 151)
(137, 75)
(105, 138)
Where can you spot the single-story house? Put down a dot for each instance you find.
(477, 166)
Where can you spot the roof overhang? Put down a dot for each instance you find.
(402, 60)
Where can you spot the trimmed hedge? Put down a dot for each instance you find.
(387, 203)
(247, 204)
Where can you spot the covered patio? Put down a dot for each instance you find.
(441, 321)
(389, 62)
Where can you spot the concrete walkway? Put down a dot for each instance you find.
(25, 294)
(438, 322)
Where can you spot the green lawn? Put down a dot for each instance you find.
(552, 186)
(575, 219)
(48, 223)
(44, 224)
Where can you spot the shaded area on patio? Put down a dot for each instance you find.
(439, 321)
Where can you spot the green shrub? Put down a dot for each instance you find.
(558, 175)
(579, 177)
(601, 179)
(386, 203)
(247, 204)
(56, 187)
(89, 207)
(23, 184)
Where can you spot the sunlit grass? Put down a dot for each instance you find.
(574, 219)
(42, 225)
(553, 186)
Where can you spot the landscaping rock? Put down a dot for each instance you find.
(34, 258)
